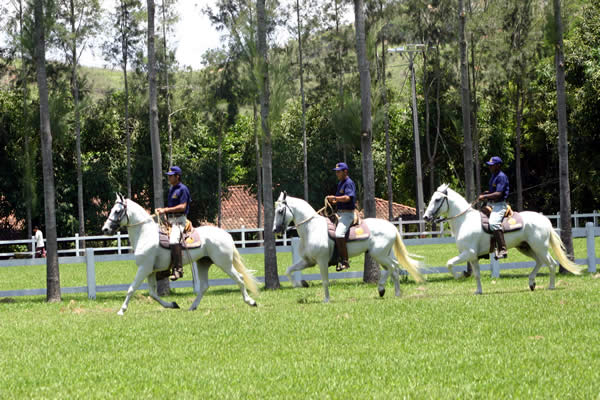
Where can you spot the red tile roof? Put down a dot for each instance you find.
(239, 209)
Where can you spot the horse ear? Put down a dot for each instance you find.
(120, 196)
(284, 194)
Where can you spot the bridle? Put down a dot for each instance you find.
(442, 219)
(116, 222)
(284, 202)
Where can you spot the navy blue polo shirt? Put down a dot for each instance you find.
(179, 194)
(499, 183)
(346, 188)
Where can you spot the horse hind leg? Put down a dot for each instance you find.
(525, 249)
(203, 267)
(152, 288)
(390, 267)
(237, 277)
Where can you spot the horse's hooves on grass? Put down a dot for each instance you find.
(175, 305)
(191, 309)
(304, 283)
(532, 286)
(255, 304)
(381, 292)
(477, 293)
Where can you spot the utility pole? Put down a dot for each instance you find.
(411, 49)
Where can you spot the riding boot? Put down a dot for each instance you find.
(500, 244)
(176, 262)
(343, 254)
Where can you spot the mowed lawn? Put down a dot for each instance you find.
(436, 341)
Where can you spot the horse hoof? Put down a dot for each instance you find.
(532, 286)
(304, 283)
(255, 304)
(175, 305)
(120, 312)
(477, 292)
(192, 309)
(381, 292)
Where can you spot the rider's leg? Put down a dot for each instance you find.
(498, 211)
(175, 242)
(346, 219)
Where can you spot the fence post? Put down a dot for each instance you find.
(91, 273)
(195, 280)
(576, 219)
(558, 220)
(119, 242)
(400, 227)
(285, 237)
(591, 246)
(77, 245)
(494, 266)
(33, 247)
(243, 236)
(296, 257)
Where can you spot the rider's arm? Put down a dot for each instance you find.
(494, 196)
(338, 199)
(179, 208)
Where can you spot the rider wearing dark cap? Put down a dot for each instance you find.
(496, 199)
(178, 206)
(345, 199)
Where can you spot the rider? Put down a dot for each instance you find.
(496, 198)
(345, 199)
(178, 206)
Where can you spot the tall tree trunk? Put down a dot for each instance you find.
(519, 98)
(163, 284)
(28, 184)
(125, 51)
(339, 69)
(465, 100)
(52, 268)
(271, 276)
(219, 176)
(259, 188)
(371, 270)
(301, 64)
(170, 128)
(386, 127)
(563, 145)
(75, 91)
(476, 161)
(417, 143)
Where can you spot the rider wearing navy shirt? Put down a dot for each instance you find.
(178, 206)
(496, 198)
(345, 199)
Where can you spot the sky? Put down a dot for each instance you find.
(192, 36)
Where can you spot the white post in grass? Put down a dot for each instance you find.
(296, 257)
(494, 266)
(33, 247)
(91, 273)
(119, 242)
(591, 246)
(77, 245)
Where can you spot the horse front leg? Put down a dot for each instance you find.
(141, 274)
(324, 269)
(477, 274)
(203, 278)
(465, 256)
(154, 293)
(300, 265)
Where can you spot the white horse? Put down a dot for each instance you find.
(218, 248)
(384, 244)
(534, 239)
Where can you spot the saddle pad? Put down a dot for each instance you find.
(356, 232)
(514, 222)
(191, 239)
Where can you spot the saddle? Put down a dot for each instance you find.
(512, 220)
(191, 236)
(359, 231)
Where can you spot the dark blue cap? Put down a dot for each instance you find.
(174, 170)
(340, 166)
(494, 160)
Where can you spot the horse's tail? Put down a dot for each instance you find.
(559, 250)
(412, 266)
(249, 278)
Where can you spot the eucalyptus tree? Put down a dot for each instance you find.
(167, 20)
(77, 22)
(157, 177)
(127, 36)
(466, 109)
(563, 144)
(371, 270)
(271, 275)
(52, 267)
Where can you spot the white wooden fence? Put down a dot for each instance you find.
(91, 255)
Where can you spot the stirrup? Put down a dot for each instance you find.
(342, 266)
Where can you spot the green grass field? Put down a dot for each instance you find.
(436, 341)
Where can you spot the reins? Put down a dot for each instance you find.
(438, 220)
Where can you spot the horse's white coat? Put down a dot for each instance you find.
(150, 257)
(384, 244)
(472, 241)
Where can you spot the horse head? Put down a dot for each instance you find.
(283, 214)
(117, 216)
(438, 203)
